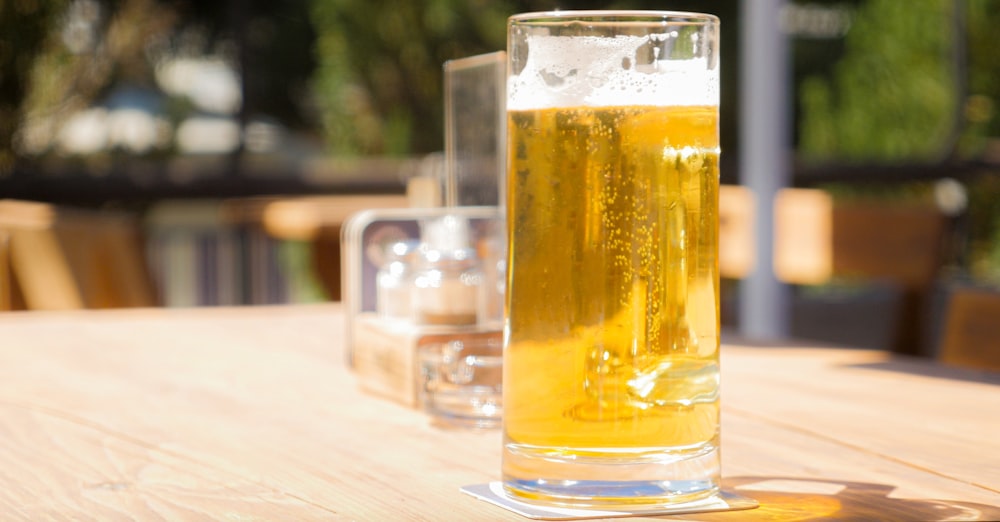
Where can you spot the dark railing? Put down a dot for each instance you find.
(142, 181)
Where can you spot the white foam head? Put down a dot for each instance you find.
(574, 71)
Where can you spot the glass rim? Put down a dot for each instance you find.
(613, 16)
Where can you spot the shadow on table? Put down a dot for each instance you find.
(921, 367)
(790, 499)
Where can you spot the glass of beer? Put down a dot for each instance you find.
(611, 354)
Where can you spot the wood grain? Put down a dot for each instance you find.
(252, 414)
(866, 399)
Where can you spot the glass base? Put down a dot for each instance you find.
(478, 407)
(459, 381)
(494, 493)
(611, 478)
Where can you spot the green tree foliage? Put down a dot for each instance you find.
(85, 50)
(892, 96)
(62, 56)
(366, 75)
(981, 115)
(910, 86)
(982, 127)
(24, 26)
(379, 75)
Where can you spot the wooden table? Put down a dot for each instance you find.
(252, 414)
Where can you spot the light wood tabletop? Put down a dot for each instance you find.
(253, 414)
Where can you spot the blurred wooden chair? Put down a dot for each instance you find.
(59, 258)
(6, 278)
(318, 221)
(818, 241)
(737, 244)
(971, 335)
(737, 247)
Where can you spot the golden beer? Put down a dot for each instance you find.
(611, 342)
(613, 303)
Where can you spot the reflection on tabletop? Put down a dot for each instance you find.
(790, 499)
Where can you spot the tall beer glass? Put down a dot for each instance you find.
(611, 362)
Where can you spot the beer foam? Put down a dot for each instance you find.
(564, 71)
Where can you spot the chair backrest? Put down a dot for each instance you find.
(737, 251)
(319, 220)
(899, 246)
(903, 244)
(6, 278)
(972, 329)
(817, 239)
(59, 258)
(803, 236)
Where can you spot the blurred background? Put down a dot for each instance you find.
(184, 122)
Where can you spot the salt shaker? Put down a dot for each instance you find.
(394, 282)
(446, 287)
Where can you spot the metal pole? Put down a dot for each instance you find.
(765, 118)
